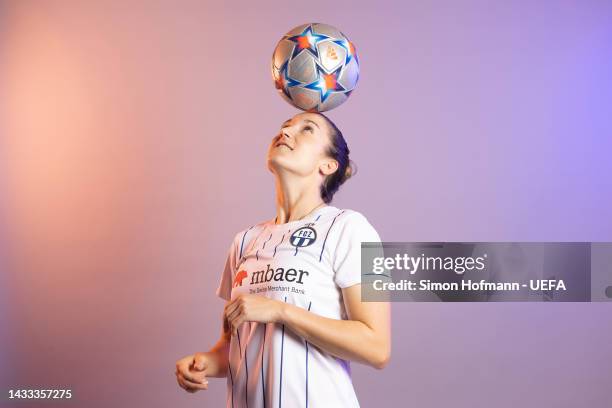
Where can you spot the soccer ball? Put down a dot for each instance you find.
(315, 67)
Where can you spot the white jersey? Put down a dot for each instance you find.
(305, 263)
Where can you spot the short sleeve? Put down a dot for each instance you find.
(347, 258)
(224, 290)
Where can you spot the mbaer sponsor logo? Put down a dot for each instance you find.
(278, 275)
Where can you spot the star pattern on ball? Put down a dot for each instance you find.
(350, 49)
(306, 40)
(326, 83)
(283, 82)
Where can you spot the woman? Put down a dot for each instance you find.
(294, 317)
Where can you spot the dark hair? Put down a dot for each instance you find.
(338, 150)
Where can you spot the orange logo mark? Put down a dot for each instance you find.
(239, 278)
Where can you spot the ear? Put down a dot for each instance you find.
(328, 167)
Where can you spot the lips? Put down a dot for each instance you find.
(283, 144)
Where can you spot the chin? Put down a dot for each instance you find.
(274, 162)
(279, 163)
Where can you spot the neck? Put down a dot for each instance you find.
(296, 197)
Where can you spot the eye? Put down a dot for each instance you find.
(308, 127)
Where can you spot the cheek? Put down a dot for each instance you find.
(307, 161)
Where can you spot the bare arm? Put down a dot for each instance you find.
(217, 356)
(365, 337)
(192, 370)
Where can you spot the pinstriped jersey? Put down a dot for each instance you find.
(305, 263)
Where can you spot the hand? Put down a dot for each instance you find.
(252, 308)
(191, 372)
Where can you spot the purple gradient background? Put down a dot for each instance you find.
(134, 148)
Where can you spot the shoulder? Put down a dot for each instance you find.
(247, 232)
(350, 221)
(350, 216)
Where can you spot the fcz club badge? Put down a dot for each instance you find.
(303, 237)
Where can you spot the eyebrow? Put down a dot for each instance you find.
(305, 120)
(308, 120)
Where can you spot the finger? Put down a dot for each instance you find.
(183, 364)
(178, 380)
(231, 307)
(227, 330)
(239, 309)
(193, 377)
(198, 377)
(199, 362)
(228, 313)
(186, 388)
(194, 385)
(232, 321)
(232, 302)
(181, 383)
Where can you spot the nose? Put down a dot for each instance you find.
(282, 135)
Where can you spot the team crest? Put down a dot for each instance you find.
(303, 237)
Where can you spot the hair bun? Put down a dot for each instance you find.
(349, 171)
